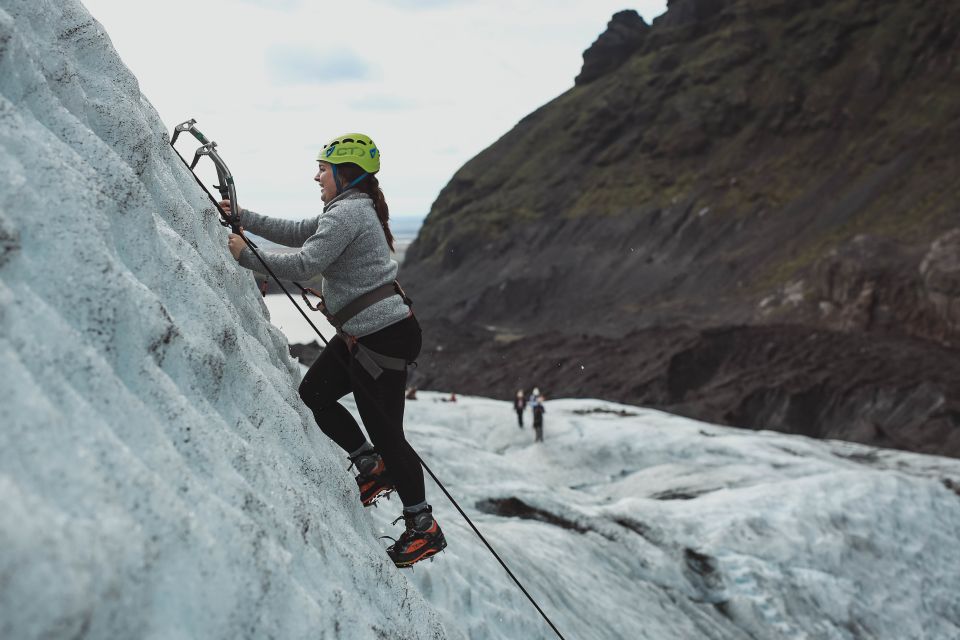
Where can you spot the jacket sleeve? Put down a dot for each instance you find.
(335, 230)
(290, 233)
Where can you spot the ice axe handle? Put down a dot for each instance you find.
(230, 221)
(199, 136)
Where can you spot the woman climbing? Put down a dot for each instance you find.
(349, 244)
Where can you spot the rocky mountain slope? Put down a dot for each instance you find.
(746, 212)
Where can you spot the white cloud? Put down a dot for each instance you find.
(383, 102)
(292, 64)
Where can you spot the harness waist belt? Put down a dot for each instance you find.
(360, 303)
(374, 363)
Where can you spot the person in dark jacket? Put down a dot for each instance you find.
(349, 244)
(538, 411)
(520, 405)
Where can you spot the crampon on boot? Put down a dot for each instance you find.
(421, 540)
(373, 479)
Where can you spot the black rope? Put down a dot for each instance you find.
(424, 464)
(251, 247)
(484, 540)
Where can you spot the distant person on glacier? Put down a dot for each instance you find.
(533, 396)
(520, 405)
(538, 411)
(349, 244)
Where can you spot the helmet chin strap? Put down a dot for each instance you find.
(357, 180)
(339, 185)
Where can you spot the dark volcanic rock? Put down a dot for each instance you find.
(893, 392)
(517, 508)
(880, 285)
(757, 171)
(682, 13)
(306, 353)
(940, 273)
(623, 36)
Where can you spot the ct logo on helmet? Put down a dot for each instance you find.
(349, 151)
(355, 148)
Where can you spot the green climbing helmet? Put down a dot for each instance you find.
(352, 147)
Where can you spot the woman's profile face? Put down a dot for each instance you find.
(324, 177)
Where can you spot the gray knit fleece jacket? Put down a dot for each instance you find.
(346, 245)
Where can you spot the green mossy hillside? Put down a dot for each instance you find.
(768, 134)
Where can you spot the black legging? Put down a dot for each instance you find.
(380, 402)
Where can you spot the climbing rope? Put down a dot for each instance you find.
(492, 550)
(227, 190)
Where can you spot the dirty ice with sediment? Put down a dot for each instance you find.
(159, 477)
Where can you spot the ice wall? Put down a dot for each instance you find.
(159, 477)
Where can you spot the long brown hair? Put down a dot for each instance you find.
(348, 172)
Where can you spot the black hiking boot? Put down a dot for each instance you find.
(373, 479)
(421, 540)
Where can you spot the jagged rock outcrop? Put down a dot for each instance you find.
(752, 164)
(624, 36)
(880, 285)
(684, 13)
(940, 271)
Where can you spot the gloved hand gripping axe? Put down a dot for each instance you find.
(227, 189)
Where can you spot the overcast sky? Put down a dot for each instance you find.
(433, 82)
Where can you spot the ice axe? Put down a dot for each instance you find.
(227, 189)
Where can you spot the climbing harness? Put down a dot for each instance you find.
(370, 360)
